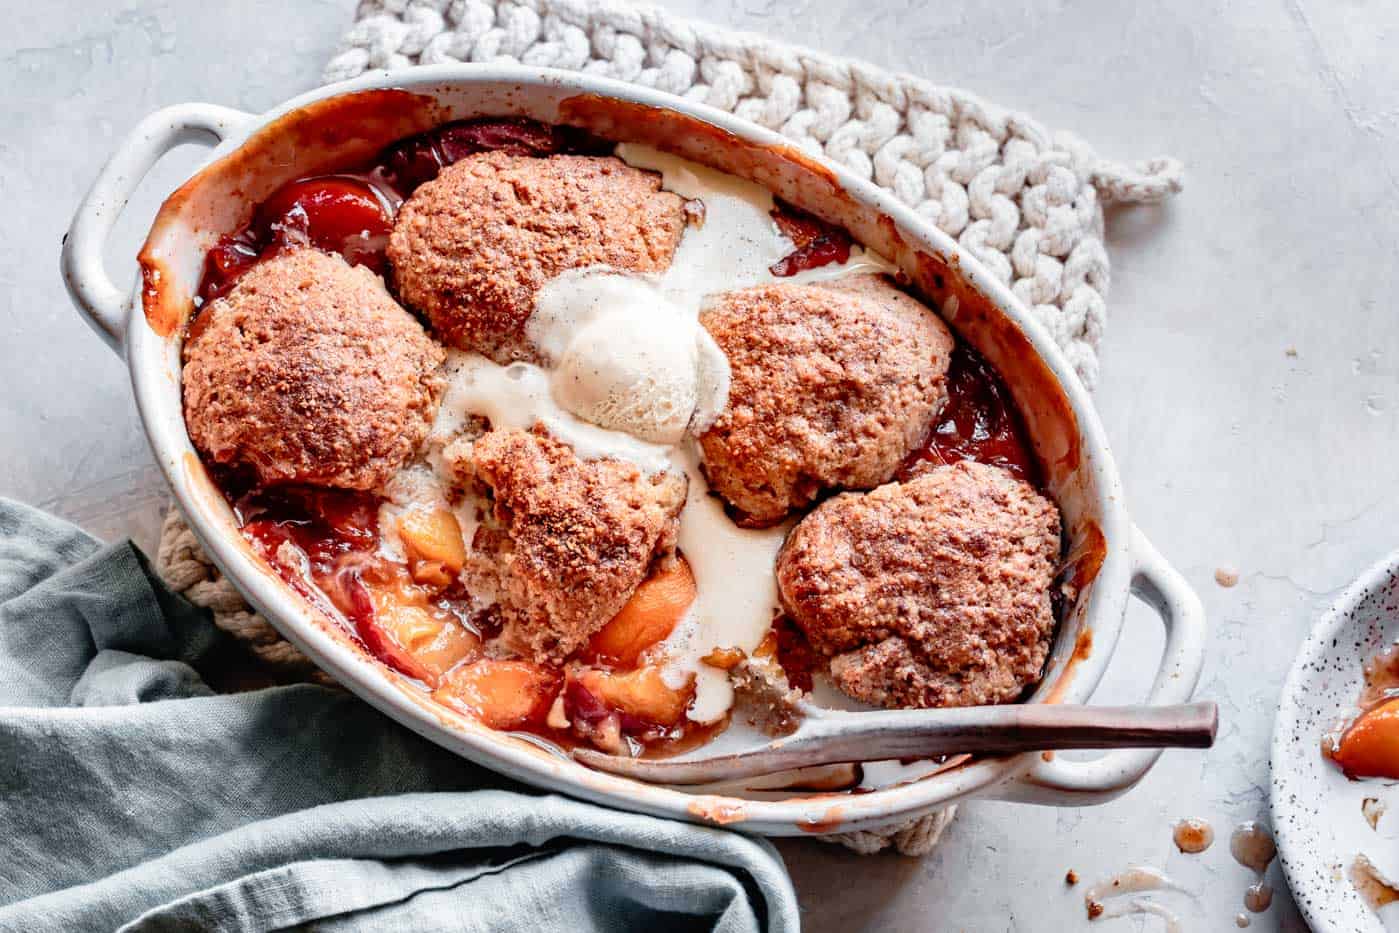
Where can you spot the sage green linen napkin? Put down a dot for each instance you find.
(134, 797)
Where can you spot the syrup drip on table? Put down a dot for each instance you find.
(1252, 847)
(1193, 836)
(1258, 897)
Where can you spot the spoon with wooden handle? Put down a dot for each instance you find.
(830, 736)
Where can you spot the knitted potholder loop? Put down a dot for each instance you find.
(186, 569)
(916, 837)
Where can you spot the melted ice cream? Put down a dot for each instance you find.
(518, 396)
(736, 591)
(737, 241)
(630, 374)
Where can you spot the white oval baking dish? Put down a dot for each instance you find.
(1110, 559)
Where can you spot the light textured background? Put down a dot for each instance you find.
(1234, 453)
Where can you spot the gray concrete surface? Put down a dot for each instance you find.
(1235, 453)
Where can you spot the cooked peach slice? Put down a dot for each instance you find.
(452, 644)
(1370, 747)
(501, 694)
(432, 542)
(411, 634)
(648, 617)
(642, 694)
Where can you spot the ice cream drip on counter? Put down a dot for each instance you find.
(1117, 896)
(1252, 847)
(1135, 890)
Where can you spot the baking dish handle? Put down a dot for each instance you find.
(1060, 782)
(104, 305)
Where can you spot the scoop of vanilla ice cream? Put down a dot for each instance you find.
(625, 357)
(633, 371)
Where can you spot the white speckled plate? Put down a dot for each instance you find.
(1316, 811)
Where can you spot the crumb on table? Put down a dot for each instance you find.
(1226, 576)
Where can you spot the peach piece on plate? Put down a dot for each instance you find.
(647, 618)
(501, 694)
(1370, 747)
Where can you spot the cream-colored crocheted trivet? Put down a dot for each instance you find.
(187, 570)
(1026, 202)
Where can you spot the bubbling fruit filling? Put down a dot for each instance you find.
(394, 562)
(414, 615)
